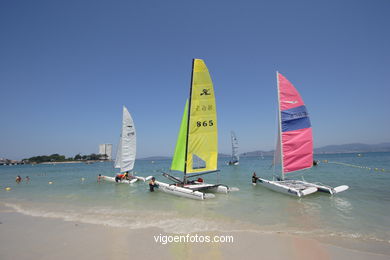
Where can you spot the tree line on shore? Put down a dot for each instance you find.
(61, 158)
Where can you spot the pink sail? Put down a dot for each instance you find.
(295, 128)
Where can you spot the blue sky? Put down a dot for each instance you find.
(67, 67)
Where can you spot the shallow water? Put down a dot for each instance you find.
(360, 213)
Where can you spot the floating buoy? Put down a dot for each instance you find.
(50, 182)
(8, 189)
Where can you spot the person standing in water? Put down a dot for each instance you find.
(18, 179)
(254, 178)
(152, 184)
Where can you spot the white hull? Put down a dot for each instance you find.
(327, 189)
(299, 188)
(218, 188)
(282, 187)
(112, 179)
(182, 192)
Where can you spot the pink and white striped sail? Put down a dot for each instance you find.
(295, 133)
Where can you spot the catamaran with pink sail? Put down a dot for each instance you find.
(294, 148)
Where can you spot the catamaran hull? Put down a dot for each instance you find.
(279, 187)
(182, 192)
(216, 188)
(327, 189)
(112, 179)
(309, 187)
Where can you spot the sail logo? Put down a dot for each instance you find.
(204, 108)
(205, 92)
(290, 102)
(131, 133)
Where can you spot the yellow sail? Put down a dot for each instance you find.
(202, 150)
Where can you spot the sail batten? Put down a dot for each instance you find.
(126, 151)
(295, 133)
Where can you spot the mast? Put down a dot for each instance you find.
(188, 124)
(280, 126)
(232, 139)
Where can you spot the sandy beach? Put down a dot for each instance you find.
(27, 237)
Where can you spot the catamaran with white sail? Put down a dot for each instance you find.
(235, 157)
(196, 151)
(125, 157)
(294, 149)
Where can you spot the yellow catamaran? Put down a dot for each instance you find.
(196, 151)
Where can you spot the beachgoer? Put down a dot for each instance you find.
(119, 177)
(152, 184)
(18, 179)
(254, 178)
(27, 179)
(99, 178)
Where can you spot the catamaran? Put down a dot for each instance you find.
(235, 157)
(196, 151)
(126, 151)
(294, 148)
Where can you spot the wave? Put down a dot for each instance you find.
(174, 223)
(169, 222)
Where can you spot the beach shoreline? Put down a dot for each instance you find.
(30, 237)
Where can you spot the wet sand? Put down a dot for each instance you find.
(27, 237)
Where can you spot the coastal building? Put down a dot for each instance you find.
(106, 149)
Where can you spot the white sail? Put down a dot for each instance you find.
(125, 157)
(235, 157)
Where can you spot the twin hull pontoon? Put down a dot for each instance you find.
(133, 180)
(299, 188)
(294, 148)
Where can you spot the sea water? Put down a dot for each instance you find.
(361, 213)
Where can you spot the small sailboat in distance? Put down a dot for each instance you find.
(125, 157)
(235, 157)
(196, 151)
(294, 148)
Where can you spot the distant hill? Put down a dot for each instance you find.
(257, 154)
(342, 148)
(354, 148)
(155, 158)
